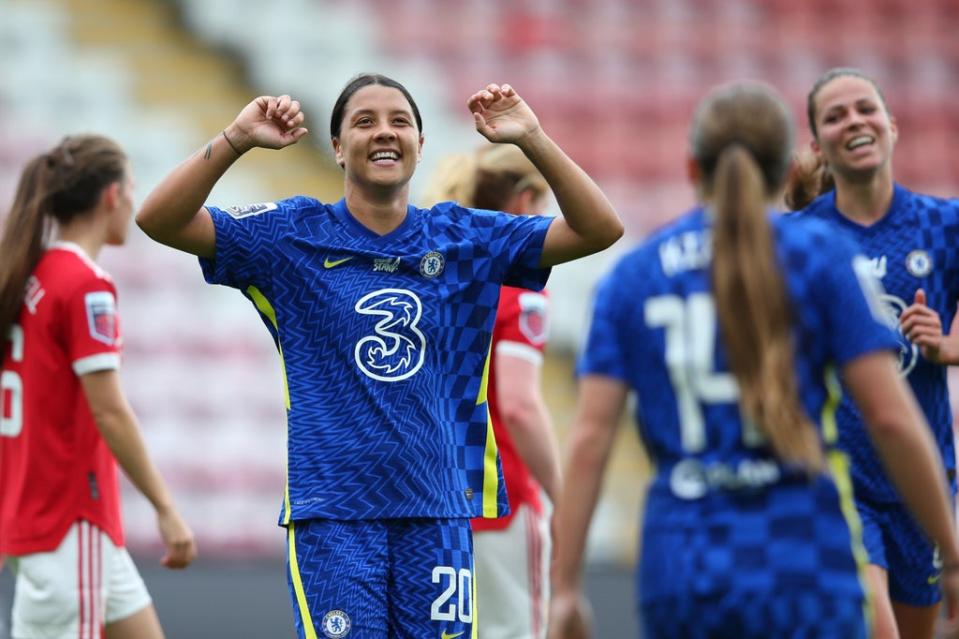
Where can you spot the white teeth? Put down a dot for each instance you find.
(859, 141)
(385, 155)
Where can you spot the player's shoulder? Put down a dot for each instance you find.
(66, 267)
(681, 244)
(803, 229)
(274, 209)
(452, 215)
(821, 207)
(811, 245)
(515, 296)
(930, 208)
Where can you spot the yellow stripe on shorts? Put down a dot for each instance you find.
(305, 616)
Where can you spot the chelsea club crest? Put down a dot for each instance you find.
(432, 264)
(919, 263)
(336, 624)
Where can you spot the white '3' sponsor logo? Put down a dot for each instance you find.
(396, 349)
(908, 352)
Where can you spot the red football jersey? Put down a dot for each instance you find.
(521, 330)
(55, 467)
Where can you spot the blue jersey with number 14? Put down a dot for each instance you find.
(384, 343)
(721, 510)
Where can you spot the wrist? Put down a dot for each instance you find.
(164, 506)
(948, 352)
(563, 581)
(235, 137)
(533, 141)
(950, 560)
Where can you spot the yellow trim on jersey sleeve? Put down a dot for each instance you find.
(839, 467)
(484, 381)
(830, 431)
(266, 309)
(490, 476)
(287, 514)
(298, 586)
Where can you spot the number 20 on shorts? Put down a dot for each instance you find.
(455, 603)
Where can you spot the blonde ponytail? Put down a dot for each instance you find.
(754, 310)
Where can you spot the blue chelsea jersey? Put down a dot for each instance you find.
(915, 245)
(719, 498)
(384, 342)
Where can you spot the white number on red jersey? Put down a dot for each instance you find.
(11, 421)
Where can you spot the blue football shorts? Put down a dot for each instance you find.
(403, 578)
(895, 542)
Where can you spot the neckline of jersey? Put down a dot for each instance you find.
(891, 218)
(76, 249)
(355, 228)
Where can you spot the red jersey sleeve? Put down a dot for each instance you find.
(93, 337)
(522, 321)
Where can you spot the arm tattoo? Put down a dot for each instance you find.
(209, 151)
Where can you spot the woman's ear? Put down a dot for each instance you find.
(110, 195)
(338, 153)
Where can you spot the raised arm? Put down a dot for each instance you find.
(905, 445)
(600, 405)
(589, 223)
(173, 213)
(118, 426)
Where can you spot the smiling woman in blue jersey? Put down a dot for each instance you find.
(382, 313)
(910, 240)
(734, 325)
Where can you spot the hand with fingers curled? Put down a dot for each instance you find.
(922, 326)
(570, 615)
(267, 122)
(178, 539)
(501, 115)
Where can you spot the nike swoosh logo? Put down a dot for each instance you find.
(328, 263)
(445, 635)
(932, 580)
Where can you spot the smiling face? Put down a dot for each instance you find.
(855, 133)
(379, 143)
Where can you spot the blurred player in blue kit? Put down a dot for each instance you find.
(382, 313)
(911, 242)
(734, 326)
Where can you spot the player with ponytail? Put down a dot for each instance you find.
(64, 420)
(730, 325)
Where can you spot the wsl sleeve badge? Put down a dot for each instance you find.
(534, 318)
(240, 212)
(101, 316)
(336, 624)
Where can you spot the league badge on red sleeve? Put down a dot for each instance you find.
(534, 317)
(102, 316)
